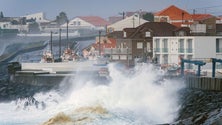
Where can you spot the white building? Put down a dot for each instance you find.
(129, 22)
(38, 17)
(169, 50)
(87, 22)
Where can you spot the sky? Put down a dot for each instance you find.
(103, 8)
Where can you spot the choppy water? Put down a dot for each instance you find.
(133, 97)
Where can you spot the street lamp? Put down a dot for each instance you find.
(99, 43)
(60, 53)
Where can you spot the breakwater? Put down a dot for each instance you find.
(199, 107)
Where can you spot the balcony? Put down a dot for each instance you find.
(165, 50)
(157, 50)
(189, 50)
(118, 51)
(219, 50)
(181, 50)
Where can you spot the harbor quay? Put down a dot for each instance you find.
(49, 74)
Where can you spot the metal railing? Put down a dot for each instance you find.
(164, 50)
(117, 51)
(189, 50)
(181, 50)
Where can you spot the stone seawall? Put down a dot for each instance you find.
(200, 107)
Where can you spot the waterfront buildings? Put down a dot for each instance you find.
(129, 22)
(170, 50)
(87, 22)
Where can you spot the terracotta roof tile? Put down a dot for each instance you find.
(174, 13)
(95, 20)
(199, 17)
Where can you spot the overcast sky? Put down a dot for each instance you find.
(103, 8)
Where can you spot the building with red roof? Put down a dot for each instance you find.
(88, 22)
(174, 15)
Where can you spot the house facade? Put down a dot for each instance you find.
(129, 22)
(13, 23)
(204, 24)
(38, 17)
(200, 24)
(175, 16)
(87, 22)
(169, 50)
(138, 42)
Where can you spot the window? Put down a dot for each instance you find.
(124, 34)
(139, 45)
(74, 23)
(79, 23)
(157, 45)
(163, 19)
(147, 34)
(210, 27)
(181, 33)
(219, 45)
(148, 47)
(189, 46)
(165, 45)
(181, 46)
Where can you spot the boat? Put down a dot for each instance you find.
(47, 57)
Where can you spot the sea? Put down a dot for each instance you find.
(133, 96)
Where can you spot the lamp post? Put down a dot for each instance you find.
(60, 30)
(67, 33)
(99, 43)
(140, 15)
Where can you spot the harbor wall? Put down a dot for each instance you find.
(204, 83)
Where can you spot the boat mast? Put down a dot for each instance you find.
(51, 43)
(60, 30)
(67, 33)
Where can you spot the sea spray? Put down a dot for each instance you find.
(134, 96)
(143, 93)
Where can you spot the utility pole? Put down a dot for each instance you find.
(60, 30)
(67, 33)
(123, 15)
(194, 11)
(140, 15)
(99, 43)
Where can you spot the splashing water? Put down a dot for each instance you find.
(138, 96)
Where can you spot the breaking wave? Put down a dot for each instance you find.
(133, 96)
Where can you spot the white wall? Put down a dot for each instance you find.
(128, 22)
(203, 47)
(39, 17)
(78, 23)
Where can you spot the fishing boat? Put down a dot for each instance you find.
(47, 57)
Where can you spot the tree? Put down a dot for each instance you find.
(1, 15)
(148, 17)
(61, 18)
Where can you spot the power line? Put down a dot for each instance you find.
(207, 7)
